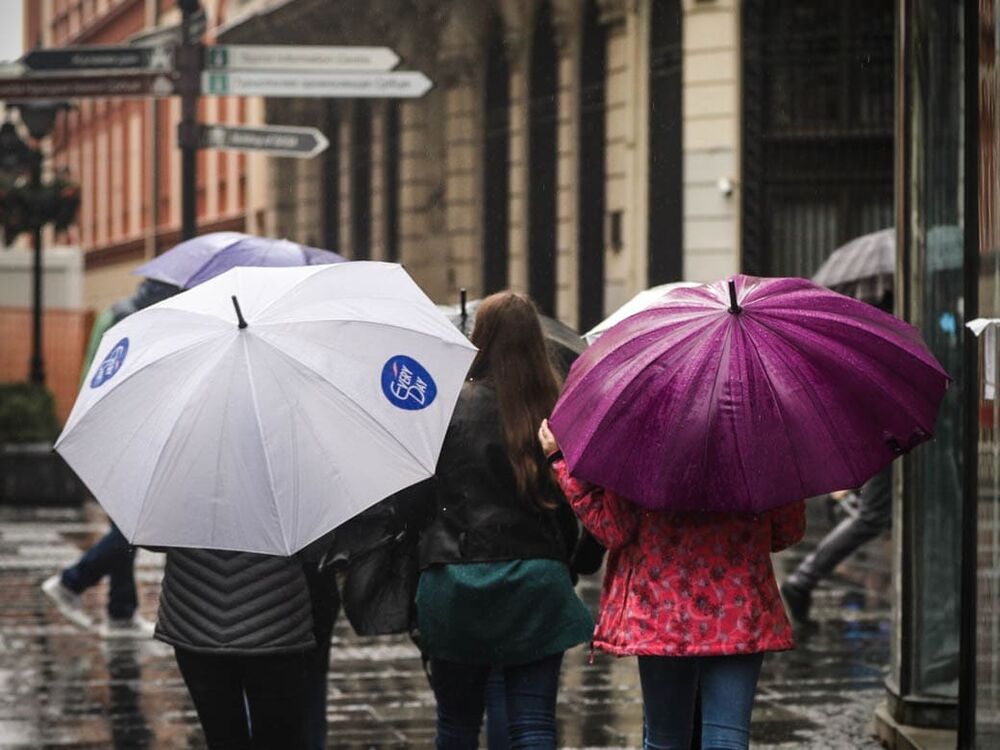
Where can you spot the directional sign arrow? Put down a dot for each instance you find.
(406, 84)
(74, 87)
(277, 140)
(304, 58)
(104, 58)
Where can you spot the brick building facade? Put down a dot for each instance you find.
(124, 152)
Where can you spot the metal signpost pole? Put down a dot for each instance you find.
(189, 64)
(37, 367)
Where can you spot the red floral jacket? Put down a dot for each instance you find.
(686, 584)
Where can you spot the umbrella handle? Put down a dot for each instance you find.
(239, 313)
(734, 306)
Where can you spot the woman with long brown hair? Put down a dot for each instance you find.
(495, 590)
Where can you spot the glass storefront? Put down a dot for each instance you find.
(948, 202)
(932, 299)
(987, 557)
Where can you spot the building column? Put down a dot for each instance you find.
(566, 21)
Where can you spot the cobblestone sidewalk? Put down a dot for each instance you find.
(63, 688)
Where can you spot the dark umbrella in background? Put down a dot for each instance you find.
(865, 267)
(564, 343)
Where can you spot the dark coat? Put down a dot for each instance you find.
(215, 601)
(478, 516)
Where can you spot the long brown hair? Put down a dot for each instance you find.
(513, 356)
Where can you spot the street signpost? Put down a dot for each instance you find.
(85, 86)
(161, 65)
(157, 67)
(301, 58)
(275, 140)
(405, 84)
(119, 57)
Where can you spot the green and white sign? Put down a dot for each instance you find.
(401, 85)
(303, 58)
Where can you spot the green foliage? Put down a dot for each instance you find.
(27, 414)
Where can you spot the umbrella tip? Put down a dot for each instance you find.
(734, 306)
(239, 313)
(462, 296)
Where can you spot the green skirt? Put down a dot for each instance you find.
(500, 613)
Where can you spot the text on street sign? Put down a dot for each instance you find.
(405, 84)
(72, 87)
(100, 58)
(300, 58)
(278, 140)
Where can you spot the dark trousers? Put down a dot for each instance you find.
(530, 690)
(873, 518)
(113, 557)
(256, 702)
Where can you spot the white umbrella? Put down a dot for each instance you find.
(637, 304)
(195, 429)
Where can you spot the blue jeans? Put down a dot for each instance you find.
(670, 686)
(530, 689)
(496, 712)
(113, 557)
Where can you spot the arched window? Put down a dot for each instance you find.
(331, 179)
(361, 181)
(543, 109)
(591, 169)
(390, 180)
(666, 148)
(496, 164)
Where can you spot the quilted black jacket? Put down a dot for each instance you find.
(234, 602)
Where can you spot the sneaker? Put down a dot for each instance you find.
(797, 602)
(66, 601)
(135, 627)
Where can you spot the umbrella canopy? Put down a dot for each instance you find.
(564, 343)
(700, 404)
(635, 305)
(866, 266)
(263, 408)
(202, 258)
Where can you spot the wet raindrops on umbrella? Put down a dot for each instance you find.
(747, 401)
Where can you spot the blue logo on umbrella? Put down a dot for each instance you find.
(407, 384)
(111, 364)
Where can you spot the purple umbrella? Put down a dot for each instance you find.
(199, 259)
(747, 396)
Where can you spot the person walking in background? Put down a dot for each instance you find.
(693, 596)
(111, 556)
(495, 589)
(871, 518)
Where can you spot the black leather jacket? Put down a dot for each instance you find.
(477, 515)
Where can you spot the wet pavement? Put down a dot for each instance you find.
(64, 688)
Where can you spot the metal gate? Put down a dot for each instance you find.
(817, 129)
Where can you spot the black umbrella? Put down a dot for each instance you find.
(564, 343)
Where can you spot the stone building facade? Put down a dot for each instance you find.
(575, 149)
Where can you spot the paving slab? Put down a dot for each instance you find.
(61, 687)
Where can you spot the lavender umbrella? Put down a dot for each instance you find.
(747, 396)
(199, 259)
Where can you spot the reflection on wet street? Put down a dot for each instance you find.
(63, 688)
